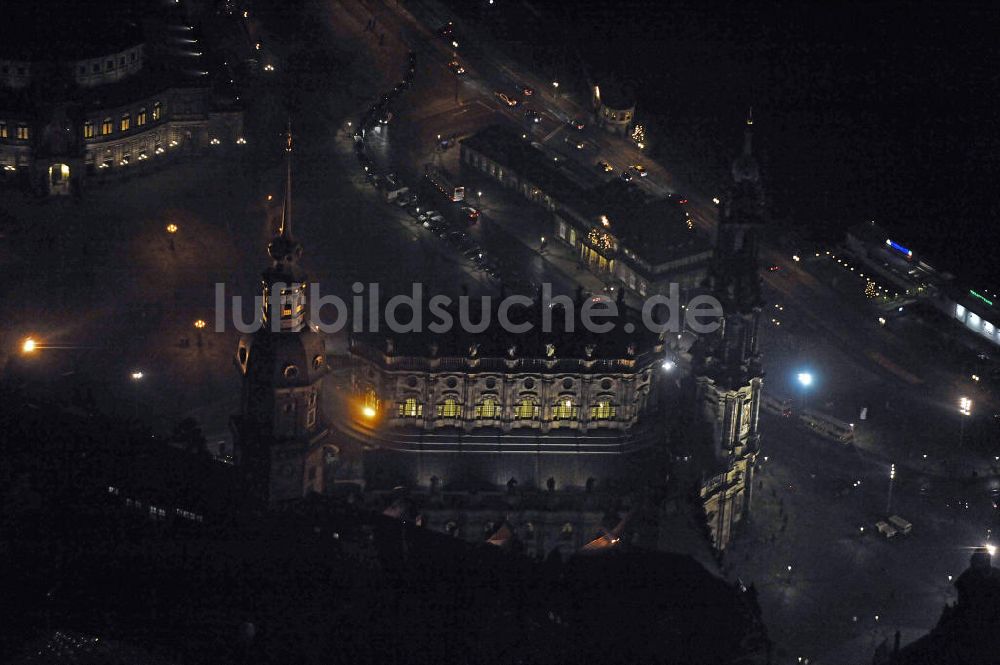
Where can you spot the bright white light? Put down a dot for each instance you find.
(991, 549)
(965, 406)
(136, 376)
(795, 257)
(668, 365)
(805, 378)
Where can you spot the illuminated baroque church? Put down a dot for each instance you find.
(282, 440)
(727, 369)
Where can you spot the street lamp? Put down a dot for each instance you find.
(137, 375)
(892, 478)
(199, 325)
(805, 380)
(965, 410)
(29, 346)
(171, 229)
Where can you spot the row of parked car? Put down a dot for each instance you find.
(397, 193)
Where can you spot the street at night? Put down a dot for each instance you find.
(425, 331)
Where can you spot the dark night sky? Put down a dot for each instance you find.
(864, 110)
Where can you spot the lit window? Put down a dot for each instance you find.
(22, 132)
(603, 410)
(3, 130)
(566, 533)
(449, 408)
(411, 408)
(564, 410)
(106, 127)
(156, 111)
(88, 129)
(126, 121)
(489, 408)
(526, 409)
(140, 118)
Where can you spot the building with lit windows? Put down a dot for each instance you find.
(977, 311)
(620, 233)
(88, 89)
(538, 429)
(614, 107)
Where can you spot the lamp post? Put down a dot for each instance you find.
(29, 346)
(892, 478)
(555, 89)
(964, 410)
(136, 376)
(805, 380)
(171, 230)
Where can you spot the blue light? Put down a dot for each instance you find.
(899, 248)
(806, 379)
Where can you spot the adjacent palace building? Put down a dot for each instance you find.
(90, 89)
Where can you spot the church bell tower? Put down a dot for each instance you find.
(280, 432)
(728, 368)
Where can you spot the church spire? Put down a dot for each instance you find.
(284, 250)
(286, 206)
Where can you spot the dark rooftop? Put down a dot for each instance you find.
(508, 147)
(567, 346)
(654, 228)
(59, 30)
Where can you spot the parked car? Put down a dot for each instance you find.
(605, 166)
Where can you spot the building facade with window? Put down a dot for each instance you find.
(614, 107)
(485, 411)
(96, 90)
(618, 232)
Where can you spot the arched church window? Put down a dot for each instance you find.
(526, 409)
(603, 410)
(488, 408)
(449, 408)
(565, 410)
(411, 408)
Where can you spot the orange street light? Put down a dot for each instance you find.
(171, 228)
(199, 324)
(29, 345)
(368, 411)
